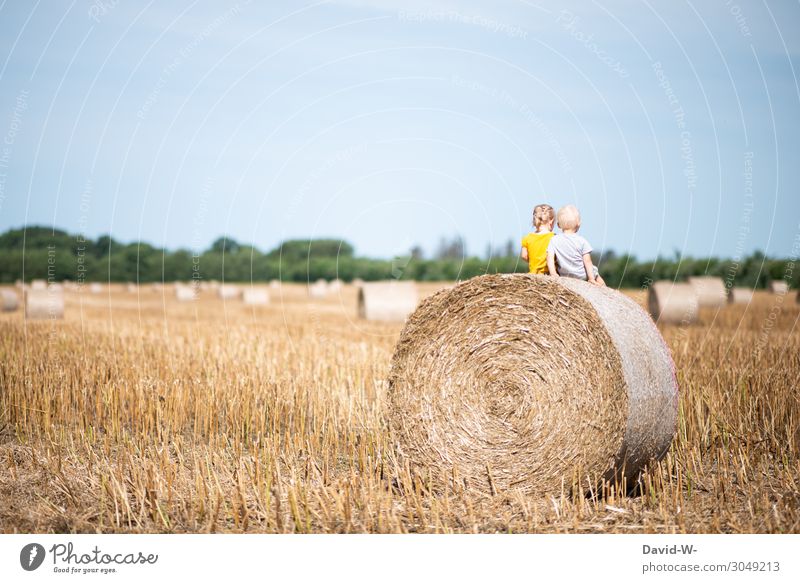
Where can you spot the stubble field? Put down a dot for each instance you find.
(138, 413)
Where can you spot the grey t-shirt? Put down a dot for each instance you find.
(569, 249)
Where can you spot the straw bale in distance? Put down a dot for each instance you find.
(520, 381)
(740, 295)
(10, 300)
(673, 303)
(710, 291)
(255, 296)
(387, 301)
(319, 289)
(779, 286)
(228, 292)
(185, 293)
(38, 284)
(44, 304)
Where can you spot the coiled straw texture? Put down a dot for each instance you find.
(527, 382)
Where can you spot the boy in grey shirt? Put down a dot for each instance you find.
(568, 254)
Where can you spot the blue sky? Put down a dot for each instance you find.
(673, 126)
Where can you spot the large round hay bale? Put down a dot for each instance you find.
(95, 288)
(740, 295)
(255, 296)
(673, 303)
(526, 381)
(10, 301)
(38, 285)
(710, 291)
(44, 304)
(387, 301)
(778, 286)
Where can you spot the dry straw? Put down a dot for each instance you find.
(525, 381)
(38, 284)
(387, 301)
(44, 304)
(740, 295)
(672, 303)
(255, 296)
(710, 291)
(779, 286)
(9, 299)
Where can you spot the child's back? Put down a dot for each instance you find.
(569, 254)
(569, 249)
(534, 245)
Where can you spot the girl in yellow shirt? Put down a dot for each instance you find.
(534, 245)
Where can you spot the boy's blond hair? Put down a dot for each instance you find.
(569, 217)
(542, 213)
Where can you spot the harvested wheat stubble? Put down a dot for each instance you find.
(387, 301)
(255, 296)
(672, 303)
(524, 381)
(710, 291)
(740, 295)
(44, 304)
(779, 286)
(9, 299)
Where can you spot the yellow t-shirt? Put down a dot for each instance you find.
(536, 244)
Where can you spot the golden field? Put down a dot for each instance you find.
(138, 413)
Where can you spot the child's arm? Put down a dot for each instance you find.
(551, 263)
(589, 267)
(524, 254)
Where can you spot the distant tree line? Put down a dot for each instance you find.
(44, 253)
